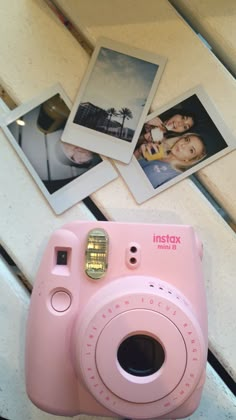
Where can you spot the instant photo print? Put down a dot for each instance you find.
(64, 173)
(114, 99)
(176, 141)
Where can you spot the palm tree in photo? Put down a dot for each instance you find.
(111, 113)
(124, 113)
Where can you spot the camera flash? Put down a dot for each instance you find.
(96, 254)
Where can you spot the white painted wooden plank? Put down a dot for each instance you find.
(36, 52)
(217, 402)
(156, 27)
(215, 21)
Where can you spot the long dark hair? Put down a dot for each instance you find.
(176, 111)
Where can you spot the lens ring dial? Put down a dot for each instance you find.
(142, 297)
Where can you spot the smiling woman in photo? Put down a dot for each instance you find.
(187, 150)
(172, 122)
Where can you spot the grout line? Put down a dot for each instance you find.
(6, 98)
(222, 212)
(183, 16)
(13, 267)
(80, 36)
(221, 371)
(94, 209)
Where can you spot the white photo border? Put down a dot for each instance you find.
(103, 143)
(133, 174)
(75, 190)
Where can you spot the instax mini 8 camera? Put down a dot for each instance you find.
(117, 323)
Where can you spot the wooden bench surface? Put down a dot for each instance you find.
(160, 30)
(38, 51)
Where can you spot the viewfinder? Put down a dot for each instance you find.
(62, 257)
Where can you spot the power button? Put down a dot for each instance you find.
(61, 301)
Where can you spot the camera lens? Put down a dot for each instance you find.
(141, 355)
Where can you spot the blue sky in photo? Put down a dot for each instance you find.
(120, 81)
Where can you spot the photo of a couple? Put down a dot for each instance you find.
(176, 140)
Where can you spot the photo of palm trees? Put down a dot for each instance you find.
(115, 94)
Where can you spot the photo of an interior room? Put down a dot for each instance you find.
(38, 133)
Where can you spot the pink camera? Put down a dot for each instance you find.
(118, 322)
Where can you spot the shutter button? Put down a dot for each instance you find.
(61, 301)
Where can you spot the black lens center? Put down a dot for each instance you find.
(140, 355)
